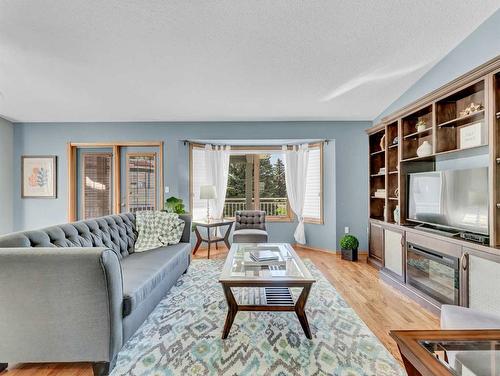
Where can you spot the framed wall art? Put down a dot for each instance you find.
(39, 176)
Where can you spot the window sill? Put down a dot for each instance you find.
(271, 219)
(314, 221)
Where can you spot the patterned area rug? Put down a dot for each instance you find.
(183, 336)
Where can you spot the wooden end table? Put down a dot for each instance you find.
(213, 223)
(265, 287)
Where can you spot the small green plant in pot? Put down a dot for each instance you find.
(175, 205)
(349, 247)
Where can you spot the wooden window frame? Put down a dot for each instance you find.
(72, 148)
(83, 155)
(288, 218)
(127, 180)
(320, 220)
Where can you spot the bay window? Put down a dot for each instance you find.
(257, 182)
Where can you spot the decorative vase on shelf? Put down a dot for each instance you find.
(382, 143)
(425, 149)
(395, 213)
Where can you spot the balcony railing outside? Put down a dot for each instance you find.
(274, 207)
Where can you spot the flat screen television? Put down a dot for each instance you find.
(452, 199)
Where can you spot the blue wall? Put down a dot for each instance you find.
(345, 166)
(479, 47)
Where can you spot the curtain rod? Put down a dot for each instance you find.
(187, 142)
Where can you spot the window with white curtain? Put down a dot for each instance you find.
(265, 162)
(198, 178)
(313, 205)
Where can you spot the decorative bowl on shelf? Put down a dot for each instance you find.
(425, 149)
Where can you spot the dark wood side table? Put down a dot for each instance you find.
(213, 223)
(449, 352)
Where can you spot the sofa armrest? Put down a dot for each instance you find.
(455, 317)
(186, 234)
(60, 304)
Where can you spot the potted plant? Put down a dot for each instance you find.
(175, 205)
(349, 247)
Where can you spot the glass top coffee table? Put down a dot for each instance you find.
(251, 285)
(449, 352)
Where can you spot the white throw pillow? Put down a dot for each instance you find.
(157, 229)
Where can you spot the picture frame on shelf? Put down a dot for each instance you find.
(471, 135)
(39, 176)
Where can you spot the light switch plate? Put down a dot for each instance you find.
(346, 229)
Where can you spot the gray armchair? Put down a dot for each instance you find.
(250, 227)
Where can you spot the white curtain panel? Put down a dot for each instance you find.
(217, 163)
(296, 161)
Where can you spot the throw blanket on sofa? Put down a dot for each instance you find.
(157, 229)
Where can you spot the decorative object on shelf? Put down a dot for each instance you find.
(470, 109)
(39, 176)
(421, 125)
(175, 205)
(471, 136)
(381, 171)
(425, 149)
(395, 141)
(382, 143)
(396, 193)
(349, 247)
(379, 193)
(396, 214)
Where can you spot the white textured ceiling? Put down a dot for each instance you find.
(135, 60)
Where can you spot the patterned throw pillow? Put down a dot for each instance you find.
(157, 229)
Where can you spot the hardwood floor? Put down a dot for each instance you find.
(379, 305)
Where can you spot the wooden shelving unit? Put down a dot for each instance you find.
(384, 154)
(377, 165)
(450, 119)
(412, 138)
(460, 135)
(444, 116)
(392, 163)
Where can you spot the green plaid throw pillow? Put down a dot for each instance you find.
(157, 229)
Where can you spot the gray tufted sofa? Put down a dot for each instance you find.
(77, 292)
(250, 227)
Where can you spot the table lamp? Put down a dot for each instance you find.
(207, 192)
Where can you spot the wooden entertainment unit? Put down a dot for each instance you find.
(443, 116)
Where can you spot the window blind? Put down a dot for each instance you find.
(312, 205)
(96, 190)
(141, 181)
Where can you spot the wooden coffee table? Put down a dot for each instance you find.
(249, 286)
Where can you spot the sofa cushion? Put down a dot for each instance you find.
(143, 272)
(157, 229)
(250, 236)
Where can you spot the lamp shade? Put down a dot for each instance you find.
(207, 192)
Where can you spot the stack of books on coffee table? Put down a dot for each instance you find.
(262, 257)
